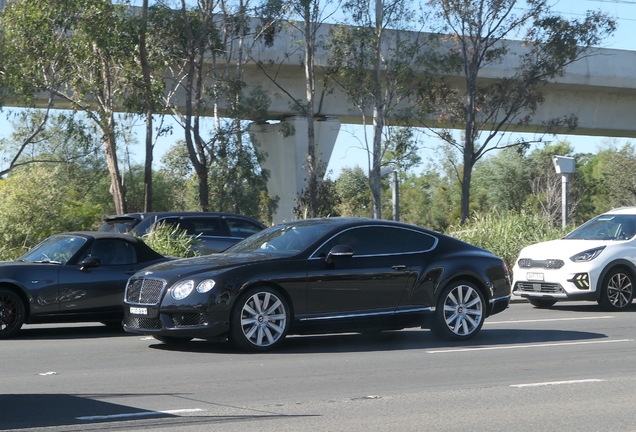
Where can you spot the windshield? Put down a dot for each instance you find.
(283, 239)
(118, 225)
(57, 249)
(606, 227)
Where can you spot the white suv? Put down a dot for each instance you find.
(596, 261)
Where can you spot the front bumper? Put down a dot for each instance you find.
(192, 324)
(558, 284)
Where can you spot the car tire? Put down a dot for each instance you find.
(12, 313)
(542, 303)
(173, 340)
(260, 319)
(617, 290)
(460, 312)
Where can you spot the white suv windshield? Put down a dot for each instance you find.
(606, 227)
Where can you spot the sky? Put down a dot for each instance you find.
(349, 149)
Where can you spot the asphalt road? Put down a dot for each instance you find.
(570, 368)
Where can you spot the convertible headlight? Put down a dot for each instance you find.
(182, 289)
(587, 255)
(205, 286)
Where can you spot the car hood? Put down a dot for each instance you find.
(213, 262)
(561, 248)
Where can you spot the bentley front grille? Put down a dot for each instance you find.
(187, 319)
(142, 323)
(144, 291)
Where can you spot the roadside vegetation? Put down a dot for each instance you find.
(64, 169)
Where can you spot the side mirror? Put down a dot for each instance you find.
(90, 262)
(337, 252)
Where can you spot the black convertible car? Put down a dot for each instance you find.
(71, 277)
(321, 276)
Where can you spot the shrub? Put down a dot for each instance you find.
(172, 241)
(505, 234)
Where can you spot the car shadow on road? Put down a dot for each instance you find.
(63, 331)
(413, 339)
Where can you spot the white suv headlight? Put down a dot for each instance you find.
(182, 289)
(587, 255)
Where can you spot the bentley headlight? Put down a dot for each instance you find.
(205, 286)
(182, 289)
(587, 255)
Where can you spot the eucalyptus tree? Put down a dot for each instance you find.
(80, 51)
(204, 44)
(480, 33)
(303, 21)
(379, 67)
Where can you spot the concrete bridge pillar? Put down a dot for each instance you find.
(286, 156)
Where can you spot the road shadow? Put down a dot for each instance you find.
(74, 331)
(582, 306)
(70, 412)
(413, 339)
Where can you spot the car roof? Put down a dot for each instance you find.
(623, 210)
(145, 215)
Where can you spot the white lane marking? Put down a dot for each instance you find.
(528, 346)
(557, 383)
(550, 320)
(141, 414)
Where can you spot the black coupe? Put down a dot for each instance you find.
(71, 277)
(321, 276)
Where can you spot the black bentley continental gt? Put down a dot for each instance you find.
(320, 276)
(71, 277)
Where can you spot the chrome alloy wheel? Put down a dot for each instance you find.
(620, 290)
(463, 310)
(263, 319)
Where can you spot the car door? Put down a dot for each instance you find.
(371, 282)
(98, 289)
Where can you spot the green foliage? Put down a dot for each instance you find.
(352, 189)
(38, 201)
(505, 233)
(170, 240)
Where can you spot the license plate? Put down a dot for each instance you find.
(534, 276)
(138, 311)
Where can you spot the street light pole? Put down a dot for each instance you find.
(395, 188)
(565, 166)
(396, 197)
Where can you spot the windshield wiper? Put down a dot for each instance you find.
(47, 262)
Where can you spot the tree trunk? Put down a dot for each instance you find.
(311, 143)
(375, 180)
(145, 69)
(117, 189)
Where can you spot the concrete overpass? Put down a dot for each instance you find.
(599, 89)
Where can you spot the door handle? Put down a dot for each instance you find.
(399, 267)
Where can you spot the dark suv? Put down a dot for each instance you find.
(216, 231)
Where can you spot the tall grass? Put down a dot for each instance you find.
(506, 233)
(170, 240)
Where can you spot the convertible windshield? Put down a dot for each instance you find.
(283, 239)
(606, 227)
(57, 249)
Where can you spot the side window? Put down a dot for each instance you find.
(113, 252)
(196, 226)
(418, 242)
(367, 241)
(204, 226)
(241, 228)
